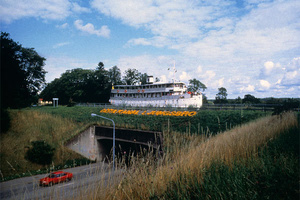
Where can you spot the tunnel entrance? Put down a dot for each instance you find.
(123, 150)
(96, 142)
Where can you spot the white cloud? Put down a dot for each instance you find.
(199, 69)
(79, 9)
(139, 41)
(90, 29)
(11, 10)
(265, 84)
(148, 64)
(268, 67)
(174, 19)
(63, 26)
(249, 88)
(209, 74)
(127, 10)
(270, 27)
(221, 82)
(157, 41)
(55, 66)
(184, 77)
(291, 75)
(60, 44)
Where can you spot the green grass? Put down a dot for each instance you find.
(204, 122)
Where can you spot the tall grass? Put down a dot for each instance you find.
(189, 158)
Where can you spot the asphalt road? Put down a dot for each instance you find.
(86, 180)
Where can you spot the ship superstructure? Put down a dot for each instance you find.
(155, 94)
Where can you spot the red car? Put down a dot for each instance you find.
(56, 177)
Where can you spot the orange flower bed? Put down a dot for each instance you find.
(156, 113)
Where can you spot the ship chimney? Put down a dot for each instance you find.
(149, 79)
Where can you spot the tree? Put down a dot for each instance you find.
(143, 78)
(287, 105)
(40, 153)
(196, 86)
(221, 96)
(132, 76)
(33, 64)
(79, 85)
(22, 74)
(100, 66)
(250, 99)
(204, 99)
(238, 100)
(114, 75)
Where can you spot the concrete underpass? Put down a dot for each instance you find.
(96, 142)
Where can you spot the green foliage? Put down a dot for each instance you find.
(143, 78)
(40, 153)
(5, 120)
(132, 76)
(221, 96)
(250, 99)
(114, 75)
(196, 85)
(22, 74)
(287, 105)
(273, 174)
(79, 85)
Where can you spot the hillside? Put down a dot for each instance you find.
(258, 160)
(27, 126)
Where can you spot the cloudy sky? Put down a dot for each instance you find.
(248, 47)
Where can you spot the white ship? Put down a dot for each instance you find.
(155, 94)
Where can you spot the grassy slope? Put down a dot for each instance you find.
(27, 126)
(198, 168)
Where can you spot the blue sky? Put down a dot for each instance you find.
(248, 47)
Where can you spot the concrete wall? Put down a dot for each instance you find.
(86, 144)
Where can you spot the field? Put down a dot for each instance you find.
(212, 155)
(204, 121)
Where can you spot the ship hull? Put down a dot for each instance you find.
(172, 102)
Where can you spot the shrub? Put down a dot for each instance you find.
(40, 153)
(5, 120)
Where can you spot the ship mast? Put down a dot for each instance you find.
(174, 71)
